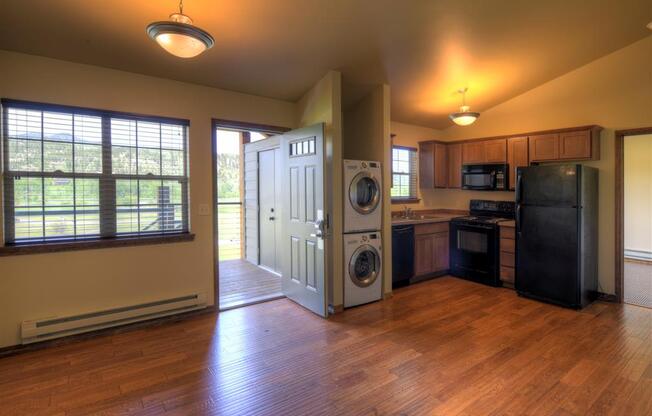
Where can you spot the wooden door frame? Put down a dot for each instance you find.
(619, 274)
(229, 125)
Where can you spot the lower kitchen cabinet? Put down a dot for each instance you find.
(431, 249)
(507, 253)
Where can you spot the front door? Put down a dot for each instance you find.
(305, 224)
(268, 209)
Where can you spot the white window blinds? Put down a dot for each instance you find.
(74, 173)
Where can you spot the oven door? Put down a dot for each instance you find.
(474, 252)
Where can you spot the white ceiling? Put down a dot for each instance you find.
(425, 49)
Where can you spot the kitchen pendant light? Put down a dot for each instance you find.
(179, 37)
(464, 117)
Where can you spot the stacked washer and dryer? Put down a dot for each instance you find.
(362, 224)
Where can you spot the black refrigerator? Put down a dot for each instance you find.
(557, 234)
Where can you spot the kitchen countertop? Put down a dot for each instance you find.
(427, 218)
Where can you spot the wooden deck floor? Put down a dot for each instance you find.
(242, 283)
(443, 347)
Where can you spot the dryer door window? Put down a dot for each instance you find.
(364, 193)
(364, 266)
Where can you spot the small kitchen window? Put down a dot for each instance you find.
(404, 174)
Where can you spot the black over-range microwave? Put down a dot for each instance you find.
(485, 177)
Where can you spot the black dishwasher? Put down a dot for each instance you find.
(402, 255)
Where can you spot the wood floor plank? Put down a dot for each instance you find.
(443, 347)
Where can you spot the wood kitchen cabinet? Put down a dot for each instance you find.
(485, 151)
(495, 151)
(473, 153)
(507, 253)
(454, 152)
(544, 147)
(441, 166)
(431, 249)
(433, 165)
(517, 156)
(580, 144)
(575, 145)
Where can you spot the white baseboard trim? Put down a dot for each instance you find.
(638, 254)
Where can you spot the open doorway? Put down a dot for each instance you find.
(244, 275)
(634, 274)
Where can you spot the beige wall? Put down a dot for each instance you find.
(323, 104)
(638, 193)
(366, 136)
(410, 135)
(37, 286)
(614, 92)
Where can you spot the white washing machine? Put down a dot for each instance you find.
(362, 268)
(363, 193)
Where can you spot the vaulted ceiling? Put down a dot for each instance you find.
(425, 49)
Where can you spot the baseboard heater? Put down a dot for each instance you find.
(55, 327)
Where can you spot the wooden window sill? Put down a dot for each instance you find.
(406, 201)
(55, 247)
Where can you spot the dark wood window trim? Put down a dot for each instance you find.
(56, 247)
(619, 274)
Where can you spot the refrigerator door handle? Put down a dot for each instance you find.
(518, 219)
(519, 182)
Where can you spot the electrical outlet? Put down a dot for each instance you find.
(204, 210)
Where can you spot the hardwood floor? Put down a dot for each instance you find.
(443, 347)
(242, 283)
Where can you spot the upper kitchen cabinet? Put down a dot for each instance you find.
(485, 151)
(495, 151)
(473, 153)
(577, 145)
(454, 152)
(517, 156)
(441, 166)
(433, 165)
(573, 144)
(544, 147)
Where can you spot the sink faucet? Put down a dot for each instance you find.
(407, 212)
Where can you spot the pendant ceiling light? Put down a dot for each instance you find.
(179, 37)
(464, 117)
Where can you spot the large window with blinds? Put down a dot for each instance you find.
(404, 173)
(74, 173)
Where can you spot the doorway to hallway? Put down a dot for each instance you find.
(634, 233)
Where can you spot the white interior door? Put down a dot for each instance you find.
(304, 219)
(267, 209)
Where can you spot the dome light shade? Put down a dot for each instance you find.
(464, 117)
(179, 36)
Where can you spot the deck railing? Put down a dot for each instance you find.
(229, 230)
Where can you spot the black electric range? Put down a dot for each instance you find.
(475, 241)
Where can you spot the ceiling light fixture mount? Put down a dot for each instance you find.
(179, 36)
(464, 117)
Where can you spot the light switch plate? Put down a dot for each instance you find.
(204, 210)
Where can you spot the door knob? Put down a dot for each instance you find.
(272, 218)
(320, 229)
